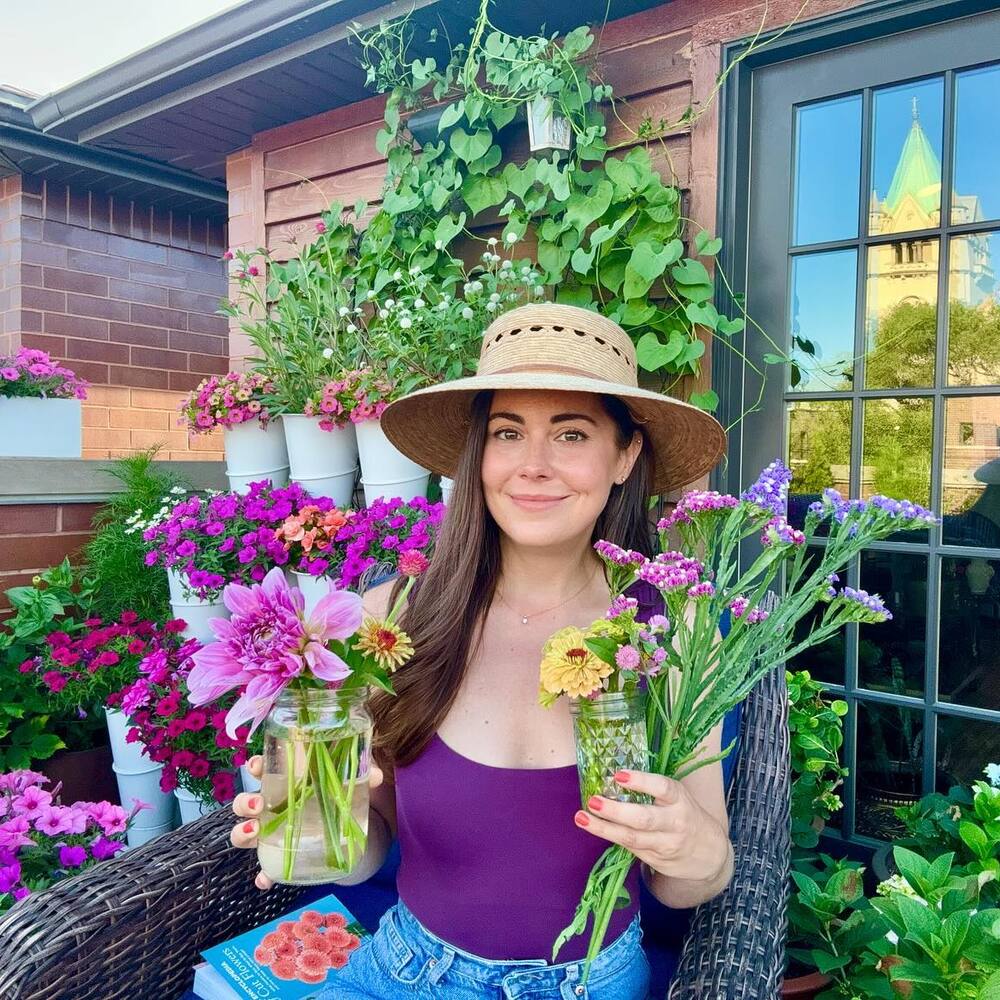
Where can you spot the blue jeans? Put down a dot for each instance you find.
(403, 958)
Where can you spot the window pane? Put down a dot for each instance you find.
(826, 662)
(971, 476)
(896, 451)
(819, 452)
(901, 314)
(965, 747)
(827, 170)
(891, 655)
(906, 158)
(973, 310)
(976, 193)
(969, 646)
(824, 294)
(889, 765)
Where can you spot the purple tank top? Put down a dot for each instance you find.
(490, 858)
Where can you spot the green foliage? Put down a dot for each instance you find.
(115, 576)
(817, 734)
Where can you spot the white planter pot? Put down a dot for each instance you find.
(447, 485)
(143, 784)
(196, 613)
(385, 471)
(324, 463)
(40, 428)
(313, 588)
(138, 835)
(131, 756)
(254, 453)
(249, 782)
(192, 807)
(546, 129)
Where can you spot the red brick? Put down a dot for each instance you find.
(38, 552)
(146, 336)
(145, 357)
(135, 249)
(76, 326)
(184, 381)
(90, 305)
(208, 364)
(78, 516)
(28, 519)
(92, 371)
(200, 343)
(145, 378)
(43, 298)
(97, 350)
(141, 270)
(56, 346)
(156, 316)
(31, 321)
(97, 263)
(55, 201)
(137, 291)
(44, 253)
(194, 301)
(200, 323)
(76, 281)
(74, 236)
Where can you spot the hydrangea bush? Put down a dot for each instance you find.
(34, 374)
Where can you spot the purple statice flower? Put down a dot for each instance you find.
(696, 502)
(779, 531)
(627, 658)
(622, 605)
(756, 615)
(658, 623)
(670, 575)
(738, 606)
(902, 510)
(268, 643)
(702, 589)
(72, 856)
(656, 662)
(874, 609)
(618, 556)
(770, 491)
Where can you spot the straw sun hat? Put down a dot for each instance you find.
(561, 349)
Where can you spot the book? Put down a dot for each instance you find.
(292, 958)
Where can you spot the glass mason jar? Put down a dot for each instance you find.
(610, 735)
(317, 756)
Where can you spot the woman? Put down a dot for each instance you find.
(552, 446)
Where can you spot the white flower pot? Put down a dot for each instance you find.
(143, 784)
(196, 613)
(313, 588)
(254, 452)
(385, 471)
(138, 835)
(249, 782)
(324, 463)
(447, 485)
(192, 807)
(40, 428)
(546, 129)
(131, 756)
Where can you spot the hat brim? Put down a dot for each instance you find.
(430, 425)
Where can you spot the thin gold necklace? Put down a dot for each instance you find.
(535, 614)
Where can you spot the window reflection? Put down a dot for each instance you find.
(977, 146)
(819, 452)
(973, 310)
(970, 502)
(822, 320)
(891, 655)
(906, 159)
(969, 649)
(826, 662)
(965, 747)
(827, 170)
(896, 450)
(901, 314)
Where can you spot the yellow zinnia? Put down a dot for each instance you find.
(568, 667)
(386, 643)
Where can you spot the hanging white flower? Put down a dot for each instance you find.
(506, 265)
(467, 313)
(492, 241)
(351, 328)
(419, 303)
(389, 303)
(405, 322)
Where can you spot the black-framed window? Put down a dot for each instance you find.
(868, 247)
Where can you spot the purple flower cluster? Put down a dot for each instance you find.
(671, 571)
(872, 607)
(617, 555)
(696, 502)
(34, 373)
(41, 841)
(779, 531)
(622, 605)
(770, 491)
(738, 609)
(900, 514)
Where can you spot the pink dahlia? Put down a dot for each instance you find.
(268, 643)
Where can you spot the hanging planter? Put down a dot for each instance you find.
(255, 452)
(142, 784)
(195, 612)
(546, 129)
(386, 471)
(324, 463)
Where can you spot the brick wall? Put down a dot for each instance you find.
(35, 536)
(126, 295)
(10, 232)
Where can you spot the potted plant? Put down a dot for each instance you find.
(309, 536)
(254, 442)
(40, 413)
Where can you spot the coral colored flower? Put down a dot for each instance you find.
(314, 962)
(569, 667)
(338, 959)
(385, 642)
(283, 966)
(335, 920)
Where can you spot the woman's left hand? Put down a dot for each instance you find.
(673, 834)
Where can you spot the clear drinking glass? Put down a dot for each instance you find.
(317, 756)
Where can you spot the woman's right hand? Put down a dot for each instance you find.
(249, 805)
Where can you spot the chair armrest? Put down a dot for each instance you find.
(735, 947)
(133, 926)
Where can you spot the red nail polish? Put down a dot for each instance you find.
(248, 827)
(582, 819)
(622, 776)
(252, 803)
(595, 803)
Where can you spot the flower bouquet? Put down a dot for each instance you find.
(33, 373)
(226, 401)
(191, 742)
(691, 675)
(308, 676)
(42, 842)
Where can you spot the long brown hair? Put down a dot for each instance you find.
(445, 612)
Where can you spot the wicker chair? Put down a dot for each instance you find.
(133, 927)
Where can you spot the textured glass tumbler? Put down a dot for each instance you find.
(317, 753)
(610, 734)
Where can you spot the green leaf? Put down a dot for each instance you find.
(922, 923)
(582, 260)
(975, 839)
(602, 647)
(653, 355)
(482, 191)
(582, 210)
(727, 327)
(691, 272)
(990, 990)
(519, 180)
(707, 400)
(451, 114)
(646, 264)
(382, 139)
(44, 746)
(448, 228)
(470, 147)
(702, 314)
(705, 245)
(553, 258)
